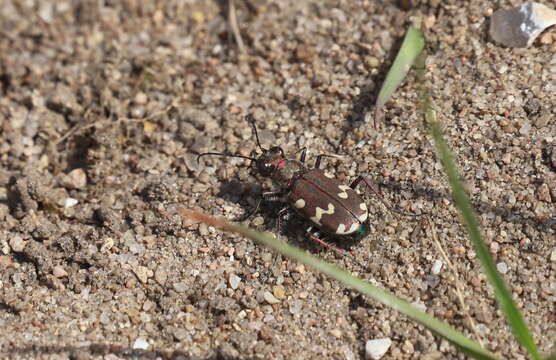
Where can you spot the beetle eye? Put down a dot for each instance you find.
(276, 150)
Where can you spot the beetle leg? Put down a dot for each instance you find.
(266, 196)
(338, 251)
(303, 155)
(285, 213)
(370, 185)
(319, 159)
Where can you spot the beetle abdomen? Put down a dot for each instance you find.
(335, 208)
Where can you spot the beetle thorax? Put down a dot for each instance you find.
(286, 170)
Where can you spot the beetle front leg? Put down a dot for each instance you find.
(271, 196)
(319, 159)
(303, 155)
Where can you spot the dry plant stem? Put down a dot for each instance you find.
(457, 284)
(232, 18)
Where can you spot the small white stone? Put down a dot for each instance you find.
(375, 349)
(234, 281)
(436, 267)
(502, 267)
(140, 344)
(520, 26)
(69, 202)
(269, 298)
(553, 255)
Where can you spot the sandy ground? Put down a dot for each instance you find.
(103, 106)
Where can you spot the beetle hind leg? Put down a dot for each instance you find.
(316, 237)
(370, 185)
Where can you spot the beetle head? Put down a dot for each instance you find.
(270, 160)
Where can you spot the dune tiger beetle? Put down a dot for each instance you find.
(334, 209)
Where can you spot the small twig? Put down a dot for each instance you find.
(459, 287)
(232, 18)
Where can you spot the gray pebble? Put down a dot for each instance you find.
(269, 298)
(234, 281)
(17, 244)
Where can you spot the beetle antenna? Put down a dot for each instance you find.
(224, 154)
(251, 120)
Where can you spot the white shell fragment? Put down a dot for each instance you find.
(520, 26)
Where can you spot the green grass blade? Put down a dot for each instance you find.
(503, 295)
(459, 340)
(412, 46)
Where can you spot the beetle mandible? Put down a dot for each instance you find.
(334, 209)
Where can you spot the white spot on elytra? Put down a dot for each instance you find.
(319, 212)
(300, 204)
(341, 230)
(363, 217)
(343, 194)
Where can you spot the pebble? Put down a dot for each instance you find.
(234, 281)
(161, 275)
(140, 344)
(553, 255)
(5, 261)
(75, 179)
(269, 298)
(520, 26)
(59, 272)
(142, 273)
(502, 267)
(543, 193)
(141, 98)
(436, 267)
(375, 349)
(300, 269)
(70, 202)
(279, 292)
(180, 333)
(17, 244)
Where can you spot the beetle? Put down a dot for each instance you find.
(335, 210)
